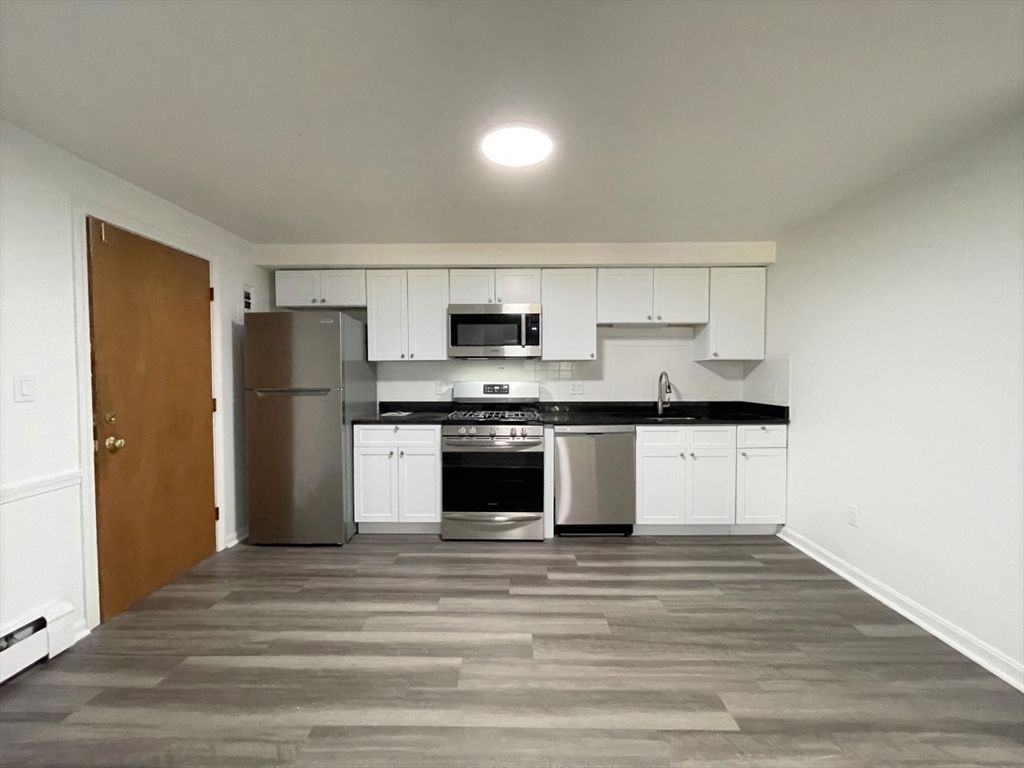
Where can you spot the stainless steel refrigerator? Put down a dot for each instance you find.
(306, 380)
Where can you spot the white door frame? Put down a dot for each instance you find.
(81, 210)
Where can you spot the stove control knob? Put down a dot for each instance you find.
(512, 432)
(494, 431)
(472, 430)
(462, 430)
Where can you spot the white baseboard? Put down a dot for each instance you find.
(704, 530)
(992, 659)
(428, 528)
(235, 537)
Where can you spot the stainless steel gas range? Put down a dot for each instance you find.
(492, 459)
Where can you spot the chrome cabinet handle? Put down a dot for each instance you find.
(694, 455)
(401, 454)
(412, 355)
(648, 317)
(390, 454)
(402, 355)
(683, 455)
(659, 317)
(490, 300)
(743, 453)
(313, 301)
(323, 301)
(396, 429)
(592, 354)
(714, 354)
(499, 300)
(764, 428)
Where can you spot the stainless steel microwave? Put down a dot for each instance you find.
(494, 330)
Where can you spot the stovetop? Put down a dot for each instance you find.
(494, 417)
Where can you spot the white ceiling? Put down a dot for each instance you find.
(320, 122)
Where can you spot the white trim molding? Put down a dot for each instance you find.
(992, 659)
(40, 485)
(234, 537)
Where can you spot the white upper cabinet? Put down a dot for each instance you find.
(407, 314)
(681, 295)
(472, 286)
(320, 288)
(297, 288)
(663, 295)
(625, 295)
(569, 322)
(735, 329)
(387, 325)
(495, 286)
(517, 286)
(428, 314)
(343, 287)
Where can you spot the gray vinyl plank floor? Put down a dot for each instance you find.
(407, 651)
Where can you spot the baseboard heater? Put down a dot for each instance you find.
(43, 637)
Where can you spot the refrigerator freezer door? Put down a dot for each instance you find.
(295, 460)
(293, 350)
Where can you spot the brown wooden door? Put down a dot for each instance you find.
(152, 388)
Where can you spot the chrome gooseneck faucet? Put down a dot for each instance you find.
(664, 389)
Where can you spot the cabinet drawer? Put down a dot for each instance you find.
(400, 434)
(761, 436)
(660, 437)
(711, 437)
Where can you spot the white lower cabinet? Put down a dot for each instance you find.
(697, 476)
(660, 486)
(761, 485)
(711, 486)
(397, 474)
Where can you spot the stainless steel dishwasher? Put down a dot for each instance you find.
(595, 479)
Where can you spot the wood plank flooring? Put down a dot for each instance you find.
(408, 651)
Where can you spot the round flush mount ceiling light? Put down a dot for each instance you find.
(516, 145)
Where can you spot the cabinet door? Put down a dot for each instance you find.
(735, 329)
(517, 286)
(711, 486)
(343, 287)
(660, 486)
(472, 286)
(625, 295)
(681, 295)
(387, 324)
(428, 314)
(297, 288)
(419, 485)
(375, 481)
(569, 322)
(761, 485)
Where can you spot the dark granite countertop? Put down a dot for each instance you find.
(685, 413)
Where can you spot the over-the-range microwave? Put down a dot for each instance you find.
(494, 330)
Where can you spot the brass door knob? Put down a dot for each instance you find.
(114, 443)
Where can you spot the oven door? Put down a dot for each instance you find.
(493, 330)
(493, 492)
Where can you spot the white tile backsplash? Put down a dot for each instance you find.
(627, 367)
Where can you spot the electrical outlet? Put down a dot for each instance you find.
(440, 387)
(575, 387)
(852, 512)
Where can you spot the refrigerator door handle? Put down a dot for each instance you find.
(293, 392)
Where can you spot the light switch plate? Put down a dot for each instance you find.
(576, 388)
(24, 388)
(852, 513)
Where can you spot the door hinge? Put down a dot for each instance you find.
(211, 293)
(215, 405)
(216, 513)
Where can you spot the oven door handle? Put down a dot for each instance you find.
(489, 446)
(493, 517)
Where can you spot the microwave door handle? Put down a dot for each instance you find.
(522, 330)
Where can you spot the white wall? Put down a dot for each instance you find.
(902, 312)
(47, 538)
(627, 367)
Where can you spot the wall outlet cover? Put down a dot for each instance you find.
(852, 514)
(576, 388)
(440, 387)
